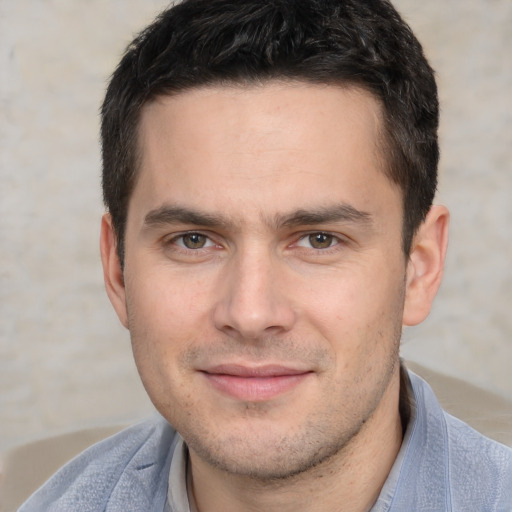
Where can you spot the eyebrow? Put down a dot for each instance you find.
(168, 214)
(338, 213)
(180, 215)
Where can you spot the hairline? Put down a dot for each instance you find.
(383, 145)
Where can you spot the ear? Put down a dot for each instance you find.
(426, 264)
(112, 271)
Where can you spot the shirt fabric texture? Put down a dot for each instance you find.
(443, 466)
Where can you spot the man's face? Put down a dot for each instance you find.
(264, 277)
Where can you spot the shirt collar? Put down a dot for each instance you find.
(418, 474)
(419, 477)
(177, 495)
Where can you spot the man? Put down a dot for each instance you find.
(269, 172)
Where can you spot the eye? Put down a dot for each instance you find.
(318, 241)
(193, 241)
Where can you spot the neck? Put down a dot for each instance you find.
(351, 480)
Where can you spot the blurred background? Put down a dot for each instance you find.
(65, 362)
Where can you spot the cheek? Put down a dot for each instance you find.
(357, 311)
(153, 322)
(164, 301)
(168, 313)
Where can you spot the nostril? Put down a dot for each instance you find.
(253, 323)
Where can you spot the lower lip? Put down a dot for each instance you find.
(255, 389)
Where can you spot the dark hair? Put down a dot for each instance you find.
(347, 42)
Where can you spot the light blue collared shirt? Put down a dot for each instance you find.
(443, 466)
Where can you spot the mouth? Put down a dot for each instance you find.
(254, 384)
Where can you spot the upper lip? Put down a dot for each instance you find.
(270, 370)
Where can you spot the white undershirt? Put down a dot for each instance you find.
(178, 497)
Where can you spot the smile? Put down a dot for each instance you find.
(254, 384)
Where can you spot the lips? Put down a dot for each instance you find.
(254, 383)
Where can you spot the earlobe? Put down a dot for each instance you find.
(112, 271)
(425, 266)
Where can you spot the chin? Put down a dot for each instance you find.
(269, 455)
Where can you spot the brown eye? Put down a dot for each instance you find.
(320, 240)
(194, 240)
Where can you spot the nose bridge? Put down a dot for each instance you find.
(252, 303)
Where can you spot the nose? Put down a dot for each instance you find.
(253, 298)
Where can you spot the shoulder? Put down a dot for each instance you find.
(474, 471)
(478, 467)
(486, 412)
(111, 474)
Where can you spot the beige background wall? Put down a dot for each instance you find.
(64, 360)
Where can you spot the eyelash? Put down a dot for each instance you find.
(176, 239)
(334, 241)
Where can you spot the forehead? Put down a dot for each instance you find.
(273, 144)
(268, 105)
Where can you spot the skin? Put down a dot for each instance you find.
(265, 289)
